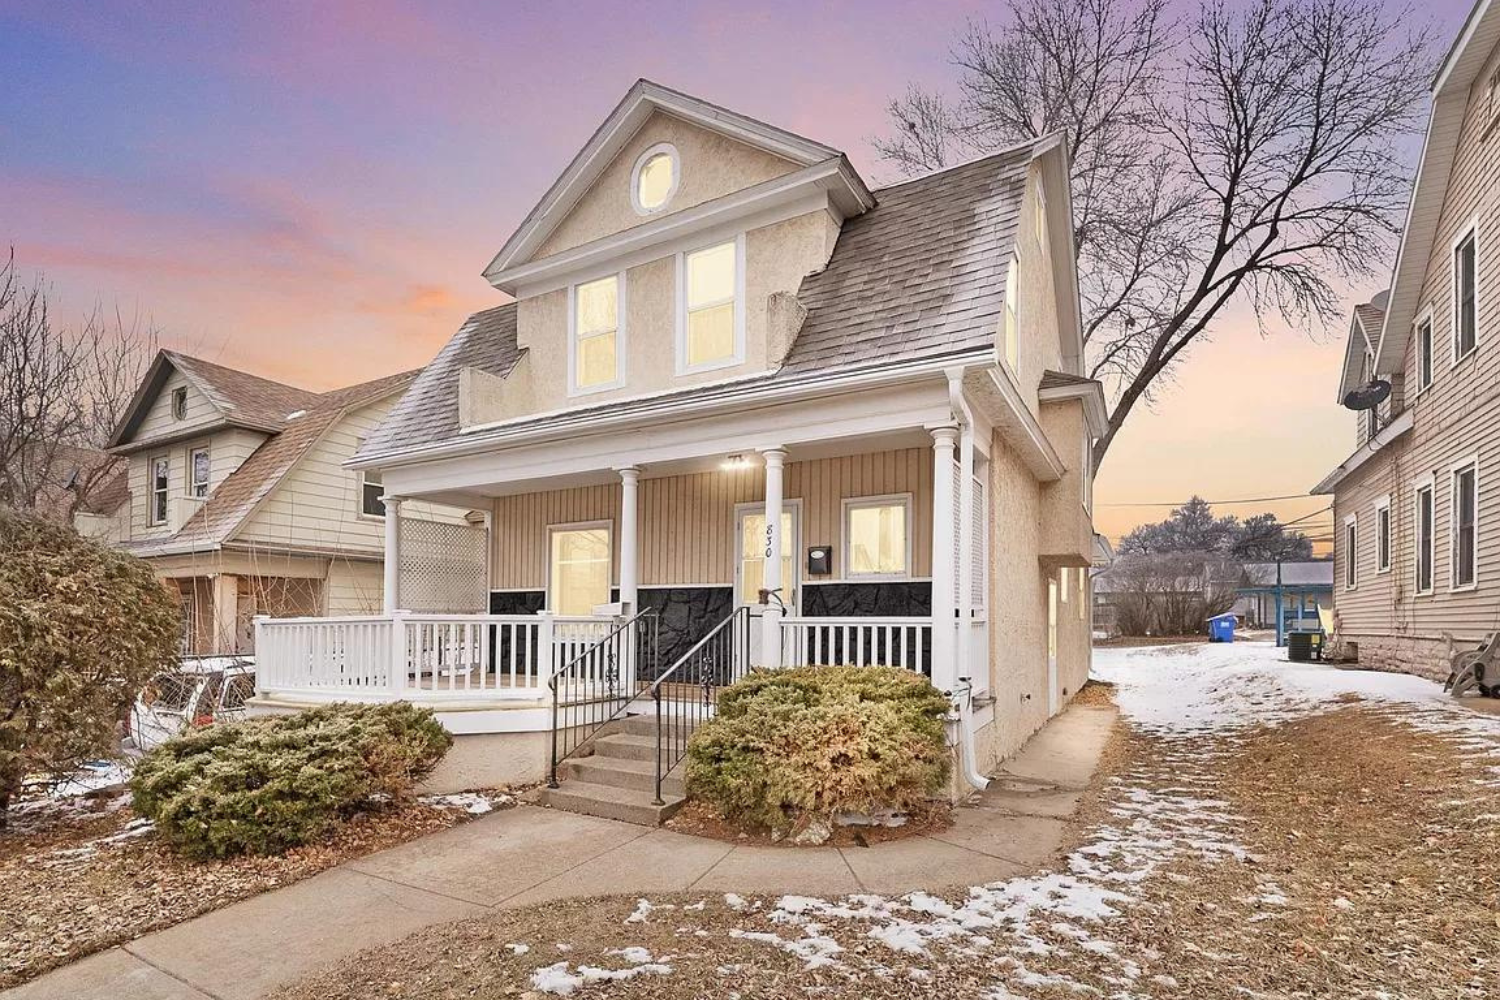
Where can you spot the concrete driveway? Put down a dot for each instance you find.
(530, 855)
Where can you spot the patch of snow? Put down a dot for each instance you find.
(644, 909)
(557, 980)
(634, 954)
(516, 948)
(472, 803)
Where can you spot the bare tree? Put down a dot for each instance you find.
(61, 391)
(1250, 154)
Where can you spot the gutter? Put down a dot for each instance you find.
(1388, 433)
(964, 698)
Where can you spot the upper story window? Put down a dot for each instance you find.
(1012, 328)
(1465, 297)
(161, 474)
(1465, 524)
(594, 346)
(711, 330)
(654, 180)
(1424, 353)
(179, 403)
(371, 489)
(199, 466)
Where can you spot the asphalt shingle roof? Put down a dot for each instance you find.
(920, 275)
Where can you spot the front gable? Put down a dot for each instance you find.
(168, 406)
(707, 165)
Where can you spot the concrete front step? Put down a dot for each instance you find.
(625, 746)
(628, 805)
(622, 773)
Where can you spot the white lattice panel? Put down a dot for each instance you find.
(444, 567)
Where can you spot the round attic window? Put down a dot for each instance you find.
(655, 178)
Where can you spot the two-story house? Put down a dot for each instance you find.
(1415, 506)
(234, 489)
(784, 417)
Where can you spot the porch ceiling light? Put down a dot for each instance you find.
(733, 462)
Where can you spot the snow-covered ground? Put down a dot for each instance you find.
(1194, 699)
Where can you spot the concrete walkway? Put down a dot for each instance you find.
(529, 855)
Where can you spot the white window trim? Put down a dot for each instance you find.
(188, 482)
(1424, 318)
(152, 491)
(1453, 471)
(1383, 505)
(574, 389)
(738, 357)
(1427, 485)
(1470, 229)
(635, 178)
(1351, 561)
(850, 504)
(609, 529)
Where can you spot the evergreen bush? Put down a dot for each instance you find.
(789, 745)
(265, 785)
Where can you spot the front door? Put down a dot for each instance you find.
(751, 549)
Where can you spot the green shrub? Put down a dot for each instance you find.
(265, 785)
(816, 741)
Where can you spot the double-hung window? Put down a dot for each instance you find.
(1465, 293)
(711, 328)
(578, 568)
(161, 474)
(1464, 524)
(1424, 536)
(877, 537)
(371, 489)
(1383, 535)
(1424, 353)
(198, 472)
(1351, 552)
(594, 350)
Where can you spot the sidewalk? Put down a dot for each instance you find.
(530, 855)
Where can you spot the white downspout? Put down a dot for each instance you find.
(963, 694)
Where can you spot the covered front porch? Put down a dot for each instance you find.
(881, 519)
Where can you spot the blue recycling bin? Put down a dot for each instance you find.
(1221, 628)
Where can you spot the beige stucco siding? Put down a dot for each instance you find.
(687, 522)
(1039, 345)
(711, 166)
(1458, 417)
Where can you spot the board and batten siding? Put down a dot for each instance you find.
(1457, 417)
(687, 522)
(317, 504)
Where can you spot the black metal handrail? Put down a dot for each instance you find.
(600, 681)
(721, 657)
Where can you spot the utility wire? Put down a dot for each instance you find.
(1213, 503)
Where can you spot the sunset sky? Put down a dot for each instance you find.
(309, 191)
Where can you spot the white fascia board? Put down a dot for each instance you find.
(1387, 434)
(1091, 395)
(848, 416)
(1003, 404)
(822, 185)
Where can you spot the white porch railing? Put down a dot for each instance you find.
(419, 657)
(859, 642)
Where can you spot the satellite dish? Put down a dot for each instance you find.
(1368, 396)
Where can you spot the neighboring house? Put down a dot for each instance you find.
(1299, 588)
(798, 420)
(1416, 506)
(234, 489)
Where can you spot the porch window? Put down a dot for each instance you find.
(371, 489)
(596, 328)
(1424, 539)
(1012, 325)
(711, 331)
(877, 537)
(578, 577)
(161, 471)
(1465, 535)
(198, 469)
(1465, 253)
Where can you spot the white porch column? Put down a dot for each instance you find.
(944, 633)
(966, 542)
(225, 592)
(630, 530)
(771, 623)
(392, 553)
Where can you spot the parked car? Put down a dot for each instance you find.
(198, 692)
